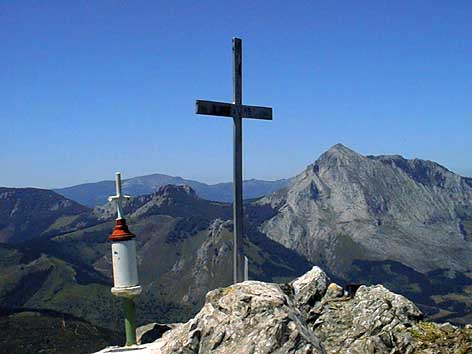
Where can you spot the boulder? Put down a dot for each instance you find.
(309, 288)
(334, 290)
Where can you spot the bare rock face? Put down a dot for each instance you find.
(308, 316)
(251, 317)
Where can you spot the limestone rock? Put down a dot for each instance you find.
(309, 288)
(374, 320)
(334, 290)
(250, 317)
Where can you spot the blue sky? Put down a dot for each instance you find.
(92, 87)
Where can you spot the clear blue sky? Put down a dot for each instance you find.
(91, 87)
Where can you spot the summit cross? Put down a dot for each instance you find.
(119, 197)
(237, 111)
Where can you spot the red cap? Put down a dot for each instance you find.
(121, 231)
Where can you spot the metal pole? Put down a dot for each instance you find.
(130, 326)
(237, 161)
(246, 268)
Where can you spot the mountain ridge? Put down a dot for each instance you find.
(30, 212)
(96, 193)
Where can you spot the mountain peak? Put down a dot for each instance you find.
(341, 149)
(173, 191)
(181, 200)
(336, 154)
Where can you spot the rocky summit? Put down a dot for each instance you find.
(308, 315)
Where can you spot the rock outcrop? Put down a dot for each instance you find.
(251, 317)
(374, 320)
(308, 316)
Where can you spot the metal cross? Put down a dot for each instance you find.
(119, 197)
(238, 111)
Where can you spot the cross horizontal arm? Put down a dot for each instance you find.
(118, 197)
(257, 112)
(223, 109)
(212, 108)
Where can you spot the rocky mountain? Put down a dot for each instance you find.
(308, 315)
(361, 216)
(26, 213)
(95, 194)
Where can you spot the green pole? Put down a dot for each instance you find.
(130, 327)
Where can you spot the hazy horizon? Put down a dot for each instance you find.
(125, 177)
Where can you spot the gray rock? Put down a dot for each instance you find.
(309, 288)
(250, 317)
(373, 321)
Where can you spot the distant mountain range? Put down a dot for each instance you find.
(93, 194)
(366, 219)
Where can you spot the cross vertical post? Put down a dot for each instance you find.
(237, 111)
(237, 162)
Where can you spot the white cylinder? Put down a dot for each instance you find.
(125, 270)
